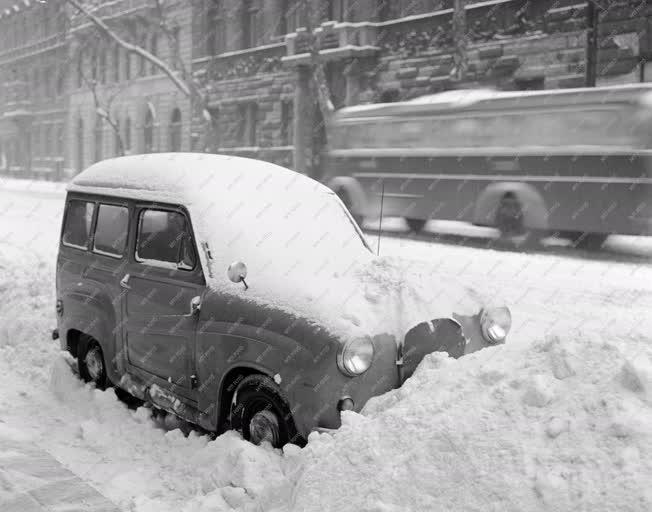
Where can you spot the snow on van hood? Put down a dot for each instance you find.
(366, 297)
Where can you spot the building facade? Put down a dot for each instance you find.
(71, 96)
(33, 93)
(118, 102)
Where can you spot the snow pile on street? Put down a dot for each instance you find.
(552, 422)
(561, 424)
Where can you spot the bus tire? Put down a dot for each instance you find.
(415, 225)
(509, 216)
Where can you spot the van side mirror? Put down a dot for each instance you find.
(237, 273)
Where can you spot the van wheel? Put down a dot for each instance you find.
(90, 362)
(509, 216)
(260, 413)
(348, 202)
(415, 225)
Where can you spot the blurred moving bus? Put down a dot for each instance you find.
(575, 162)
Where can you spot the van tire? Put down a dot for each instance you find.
(90, 362)
(260, 413)
(415, 225)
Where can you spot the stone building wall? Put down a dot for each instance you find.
(389, 51)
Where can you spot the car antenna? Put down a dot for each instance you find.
(380, 225)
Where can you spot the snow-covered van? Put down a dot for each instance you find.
(241, 295)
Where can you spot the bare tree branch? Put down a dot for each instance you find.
(103, 112)
(107, 31)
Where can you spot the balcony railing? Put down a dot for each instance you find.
(17, 103)
(244, 63)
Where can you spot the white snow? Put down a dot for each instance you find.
(558, 419)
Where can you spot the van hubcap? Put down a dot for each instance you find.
(94, 364)
(264, 426)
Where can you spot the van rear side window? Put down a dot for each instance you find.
(111, 230)
(77, 228)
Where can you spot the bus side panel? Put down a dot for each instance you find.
(594, 193)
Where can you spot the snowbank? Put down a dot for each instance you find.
(552, 423)
(559, 424)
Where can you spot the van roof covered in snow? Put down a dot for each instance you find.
(190, 178)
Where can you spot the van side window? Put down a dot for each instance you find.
(77, 228)
(164, 239)
(111, 230)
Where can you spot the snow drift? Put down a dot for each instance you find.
(554, 423)
(559, 424)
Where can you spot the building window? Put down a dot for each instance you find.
(99, 139)
(337, 10)
(48, 141)
(293, 15)
(37, 142)
(250, 29)
(116, 63)
(175, 130)
(60, 134)
(215, 40)
(80, 145)
(142, 63)
(127, 62)
(176, 47)
(248, 124)
(80, 70)
(101, 63)
(127, 138)
(116, 137)
(385, 10)
(94, 65)
(287, 120)
(153, 49)
(215, 127)
(148, 131)
(61, 80)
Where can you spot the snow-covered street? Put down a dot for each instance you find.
(558, 419)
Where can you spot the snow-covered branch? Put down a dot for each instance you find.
(138, 50)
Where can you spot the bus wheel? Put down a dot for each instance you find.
(346, 199)
(509, 216)
(415, 225)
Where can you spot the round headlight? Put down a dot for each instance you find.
(496, 323)
(355, 357)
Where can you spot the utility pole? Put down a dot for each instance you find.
(459, 40)
(591, 44)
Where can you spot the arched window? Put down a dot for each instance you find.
(175, 130)
(80, 145)
(148, 130)
(99, 139)
(127, 138)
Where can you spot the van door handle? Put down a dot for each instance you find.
(124, 282)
